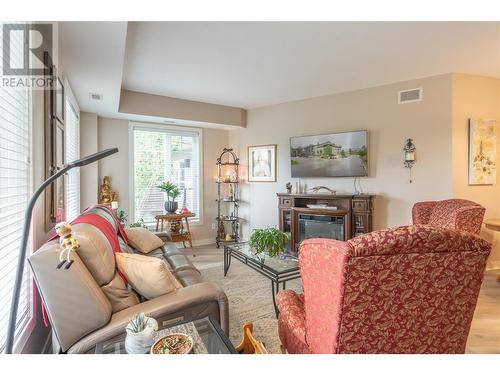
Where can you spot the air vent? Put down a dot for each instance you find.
(410, 96)
(94, 96)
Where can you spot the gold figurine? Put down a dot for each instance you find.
(106, 196)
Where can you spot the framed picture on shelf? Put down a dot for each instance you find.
(482, 151)
(262, 163)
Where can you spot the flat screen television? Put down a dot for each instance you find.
(330, 155)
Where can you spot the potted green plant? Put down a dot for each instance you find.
(139, 224)
(122, 216)
(172, 192)
(269, 240)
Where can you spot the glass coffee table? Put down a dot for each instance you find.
(277, 269)
(210, 339)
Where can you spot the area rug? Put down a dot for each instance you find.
(250, 300)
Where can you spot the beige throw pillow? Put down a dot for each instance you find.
(143, 240)
(149, 276)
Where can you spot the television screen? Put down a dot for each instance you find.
(330, 155)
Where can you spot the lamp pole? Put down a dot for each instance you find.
(26, 230)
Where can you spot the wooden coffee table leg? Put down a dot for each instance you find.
(157, 224)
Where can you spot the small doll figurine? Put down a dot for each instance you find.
(67, 243)
(289, 187)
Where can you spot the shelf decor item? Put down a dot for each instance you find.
(227, 197)
(172, 192)
(269, 240)
(140, 334)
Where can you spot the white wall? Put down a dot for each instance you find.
(115, 133)
(389, 125)
(475, 97)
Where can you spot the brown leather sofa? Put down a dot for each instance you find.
(89, 302)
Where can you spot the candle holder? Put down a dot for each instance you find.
(409, 155)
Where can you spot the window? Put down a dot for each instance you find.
(72, 153)
(162, 153)
(15, 189)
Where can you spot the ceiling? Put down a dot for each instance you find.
(254, 64)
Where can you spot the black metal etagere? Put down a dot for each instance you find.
(228, 197)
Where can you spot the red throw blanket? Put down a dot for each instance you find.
(107, 229)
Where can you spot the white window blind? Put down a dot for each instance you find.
(15, 189)
(163, 154)
(72, 153)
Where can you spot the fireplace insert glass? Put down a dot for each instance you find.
(320, 226)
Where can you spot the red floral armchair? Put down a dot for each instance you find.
(457, 214)
(411, 289)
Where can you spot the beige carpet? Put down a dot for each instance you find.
(249, 295)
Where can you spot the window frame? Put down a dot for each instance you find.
(133, 125)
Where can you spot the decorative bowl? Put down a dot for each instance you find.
(174, 343)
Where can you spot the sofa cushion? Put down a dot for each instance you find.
(119, 295)
(143, 240)
(149, 276)
(189, 277)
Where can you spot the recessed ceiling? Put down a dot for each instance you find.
(253, 64)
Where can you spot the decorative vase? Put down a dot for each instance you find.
(171, 206)
(141, 342)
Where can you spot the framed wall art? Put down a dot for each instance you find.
(482, 151)
(262, 163)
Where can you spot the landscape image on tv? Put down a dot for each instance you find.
(330, 155)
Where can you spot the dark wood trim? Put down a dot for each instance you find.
(357, 209)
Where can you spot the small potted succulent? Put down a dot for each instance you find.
(172, 192)
(140, 334)
(270, 241)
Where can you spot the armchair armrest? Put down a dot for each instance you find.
(421, 212)
(322, 267)
(469, 219)
(195, 301)
(165, 236)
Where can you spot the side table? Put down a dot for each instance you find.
(178, 231)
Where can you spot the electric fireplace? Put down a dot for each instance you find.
(321, 226)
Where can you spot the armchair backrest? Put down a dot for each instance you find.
(458, 214)
(410, 289)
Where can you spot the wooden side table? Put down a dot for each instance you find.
(493, 224)
(178, 232)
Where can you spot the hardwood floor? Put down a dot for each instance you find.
(484, 336)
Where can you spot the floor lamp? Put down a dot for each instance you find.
(26, 229)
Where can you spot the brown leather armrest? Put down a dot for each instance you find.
(195, 301)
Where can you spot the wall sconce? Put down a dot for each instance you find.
(410, 155)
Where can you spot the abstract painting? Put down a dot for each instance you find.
(482, 151)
